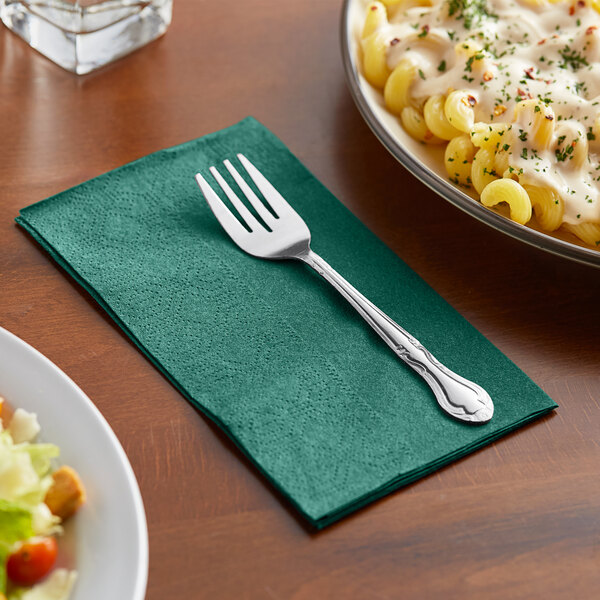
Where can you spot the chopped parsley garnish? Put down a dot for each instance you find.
(472, 58)
(572, 59)
(471, 11)
(562, 155)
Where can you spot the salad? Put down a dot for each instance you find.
(35, 499)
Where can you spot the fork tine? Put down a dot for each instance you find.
(228, 221)
(274, 198)
(260, 208)
(246, 215)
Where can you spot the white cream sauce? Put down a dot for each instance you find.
(550, 51)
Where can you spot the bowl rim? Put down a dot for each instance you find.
(432, 180)
(139, 582)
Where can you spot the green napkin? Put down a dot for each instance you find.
(267, 350)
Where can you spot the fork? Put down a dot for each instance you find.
(283, 234)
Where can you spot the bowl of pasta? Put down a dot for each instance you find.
(493, 104)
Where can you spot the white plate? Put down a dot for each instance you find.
(426, 163)
(107, 541)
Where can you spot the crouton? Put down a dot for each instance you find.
(3, 414)
(6, 414)
(66, 494)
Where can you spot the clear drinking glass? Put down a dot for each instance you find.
(82, 35)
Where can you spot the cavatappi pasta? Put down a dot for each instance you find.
(511, 87)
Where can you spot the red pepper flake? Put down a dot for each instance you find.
(542, 41)
(590, 29)
(425, 28)
(550, 117)
(573, 143)
(394, 42)
(580, 3)
(374, 7)
(521, 92)
(528, 73)
(548, 81)
(571, 10)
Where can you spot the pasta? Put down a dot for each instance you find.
(510, 87)
(416, 126)
(513, 193)
(397, 87)
(459, 158)
(458, 109)
(547, 205)
(483, 169)
(436, 120)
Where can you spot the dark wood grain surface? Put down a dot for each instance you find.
(518, 519)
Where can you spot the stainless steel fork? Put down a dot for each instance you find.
(286, 236)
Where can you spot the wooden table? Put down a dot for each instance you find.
(518, 519)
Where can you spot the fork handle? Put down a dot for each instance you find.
(459, 397)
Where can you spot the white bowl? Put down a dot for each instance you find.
(107, 540)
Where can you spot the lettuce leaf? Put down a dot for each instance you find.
(25, 470)
(16, 523)
(41, 456)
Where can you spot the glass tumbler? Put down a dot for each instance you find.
(82, 35)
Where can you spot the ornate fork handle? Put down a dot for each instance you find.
(458, 396)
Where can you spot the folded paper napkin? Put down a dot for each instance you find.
(267, 350)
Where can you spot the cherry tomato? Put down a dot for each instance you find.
(32, 561)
